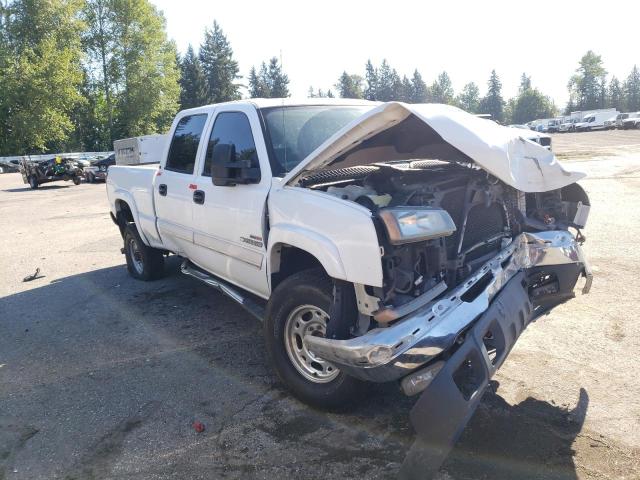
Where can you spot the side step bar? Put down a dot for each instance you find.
(251, 306)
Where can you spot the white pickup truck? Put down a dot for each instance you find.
(378, 242)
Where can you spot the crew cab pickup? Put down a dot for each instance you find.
(377, 242)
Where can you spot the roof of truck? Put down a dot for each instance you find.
(292, 102)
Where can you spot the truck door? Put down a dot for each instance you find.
(174, 185)
(229, 221)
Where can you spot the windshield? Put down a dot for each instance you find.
(295, 132)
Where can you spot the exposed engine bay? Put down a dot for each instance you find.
(483, 212)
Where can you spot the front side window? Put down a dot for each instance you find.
(184, 144)
(232, 128)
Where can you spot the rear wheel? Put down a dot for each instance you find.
(76, 180)
(91, 178)
(299, 306)
(143, 262)
(33, 182)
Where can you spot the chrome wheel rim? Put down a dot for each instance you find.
(136, 256)
(308, 320)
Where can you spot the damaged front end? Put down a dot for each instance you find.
(475, 231)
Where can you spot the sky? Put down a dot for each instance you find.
(317, 41)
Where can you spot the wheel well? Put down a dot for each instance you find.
(287, 260)
(123, 215)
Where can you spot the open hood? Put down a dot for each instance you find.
(399, 131)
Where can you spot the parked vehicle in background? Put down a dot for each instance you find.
(593, 121)
(35, 173)
(632, 121)
(97, 170)
(139, 150)
(569, 125)
(387, 242)
(522, 127)
(553, 126)
(611, 123)
(9, 166)
(620, 118)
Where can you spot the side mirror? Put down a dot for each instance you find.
(226, 171)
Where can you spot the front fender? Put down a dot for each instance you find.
(339, 233)
(311, 242)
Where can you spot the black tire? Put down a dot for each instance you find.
(76, 180)
(143, 262)
(314, 288)
(91, 178)
(33, 182)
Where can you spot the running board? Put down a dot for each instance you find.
(251, 306)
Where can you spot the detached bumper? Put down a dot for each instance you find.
(386, 354)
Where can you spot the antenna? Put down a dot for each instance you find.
(284, 132)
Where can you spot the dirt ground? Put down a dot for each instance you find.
(102, 376)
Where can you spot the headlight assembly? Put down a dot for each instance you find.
(413, 224)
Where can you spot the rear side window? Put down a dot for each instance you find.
(184, 144)
(232, 128)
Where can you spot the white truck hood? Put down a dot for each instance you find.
(504, 152)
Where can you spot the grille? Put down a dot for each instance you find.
(483, 223)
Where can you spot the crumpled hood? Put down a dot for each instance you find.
(504, 152)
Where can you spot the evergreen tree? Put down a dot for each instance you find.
(258, 87)
(615, 95)
(193, 84)
(632, 90)
(585, 86)
(419, 89)
(525, 83)
(442, 90)
(349, 86)
(40, 74)
(311, 93)
(469, 99)
(388, 83)
(269, 82)
(220, 69)
(330, 94)
(493, 103)
(406, 90)
(277, 80)
(371, 77)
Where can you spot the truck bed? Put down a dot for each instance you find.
(135, 182)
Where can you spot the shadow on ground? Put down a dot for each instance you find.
(27, 188)
(102, 377)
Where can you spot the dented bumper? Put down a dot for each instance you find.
(386, 354)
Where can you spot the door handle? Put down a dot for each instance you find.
(198, 197)
(162, 189)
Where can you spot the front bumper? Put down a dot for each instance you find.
(385, 354)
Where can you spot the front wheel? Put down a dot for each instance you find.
(76, 180)
(33, 182)
(299, 306)
(143, 262)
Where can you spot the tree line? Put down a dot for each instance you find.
(78, 74)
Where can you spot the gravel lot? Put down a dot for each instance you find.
(102, 376)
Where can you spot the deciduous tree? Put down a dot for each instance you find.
(469, 98)
(349, 86)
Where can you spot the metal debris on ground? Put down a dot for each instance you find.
(33, 276)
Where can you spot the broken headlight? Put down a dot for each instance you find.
(413, 224)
